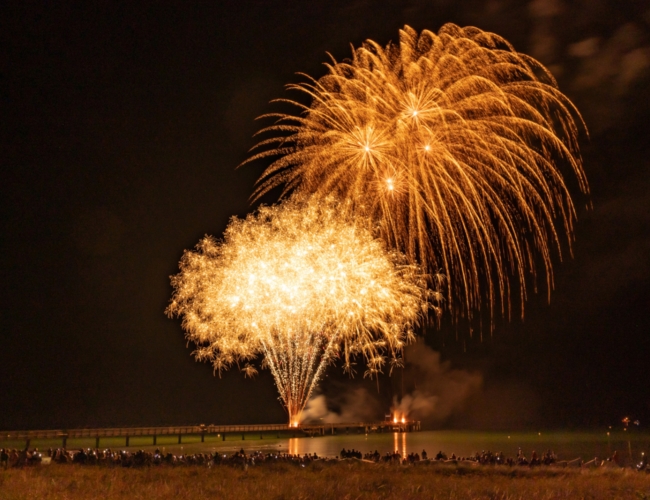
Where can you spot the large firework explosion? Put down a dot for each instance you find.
(299, 284)
(451, 143)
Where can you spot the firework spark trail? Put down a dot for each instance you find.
(451, 143)
(300, 284)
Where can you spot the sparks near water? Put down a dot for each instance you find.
(454, 144)
(301, 285)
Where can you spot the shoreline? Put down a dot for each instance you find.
(108, 458)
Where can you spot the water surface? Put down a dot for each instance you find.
(566, 445)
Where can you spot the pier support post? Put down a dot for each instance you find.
(223, 436)
(127, 440)
(242, 436)
(203, 437)
(97, 442)
(179, 438)
(155, 438)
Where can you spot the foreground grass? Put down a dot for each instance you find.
(343, 480)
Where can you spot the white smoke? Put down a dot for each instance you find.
(439, 391)
(356, 405)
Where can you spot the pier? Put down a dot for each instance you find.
(313, 429)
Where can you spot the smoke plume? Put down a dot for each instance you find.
(355, 405)
(434, 392)
(437, 390)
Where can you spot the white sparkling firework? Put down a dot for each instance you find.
(302, 285)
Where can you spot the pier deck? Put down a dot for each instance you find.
(206, 430)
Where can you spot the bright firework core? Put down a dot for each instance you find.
(302, 285)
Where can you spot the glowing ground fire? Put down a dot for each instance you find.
(300, 284)
(451, 143)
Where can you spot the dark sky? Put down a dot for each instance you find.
(122, 125)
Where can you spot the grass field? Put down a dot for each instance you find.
(337, 480)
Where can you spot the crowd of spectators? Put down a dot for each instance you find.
(125, 458)
(139, 458)
(19, 458)
(352, 454)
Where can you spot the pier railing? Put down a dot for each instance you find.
(321, 428)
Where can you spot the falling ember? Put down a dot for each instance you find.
(300, 285)
(474, 131)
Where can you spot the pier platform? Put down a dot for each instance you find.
(312, 429)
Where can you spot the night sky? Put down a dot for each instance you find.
(122, 127)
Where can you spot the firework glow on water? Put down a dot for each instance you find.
(454, 144)
(299, 285)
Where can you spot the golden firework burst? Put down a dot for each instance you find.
(453, 143)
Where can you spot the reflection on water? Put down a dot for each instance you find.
(567, 445)
(331, 446)
(396, 440)
(295, 446)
